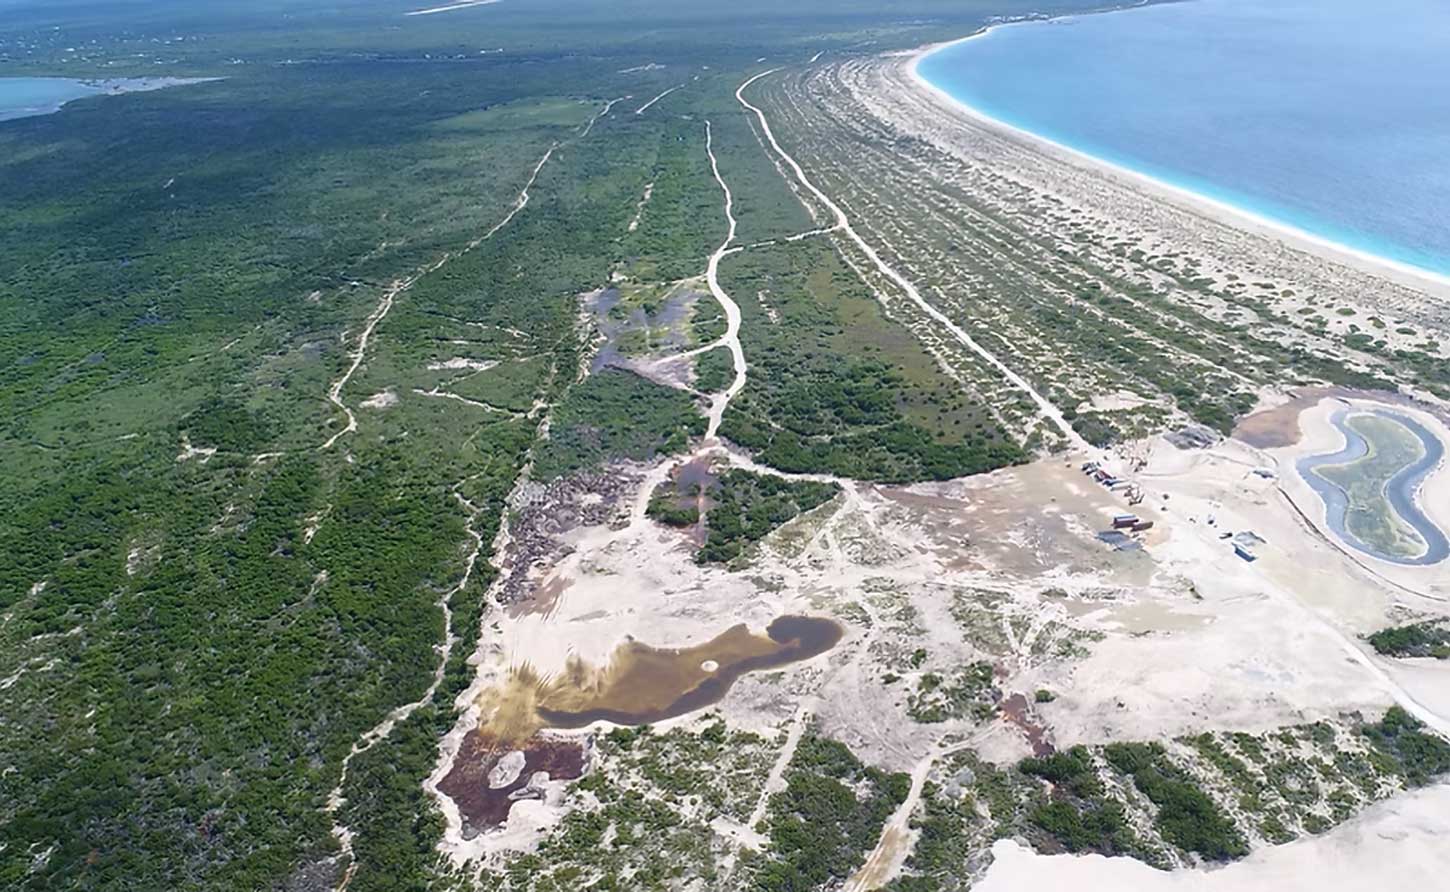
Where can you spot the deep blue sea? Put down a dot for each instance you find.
(1332, 116)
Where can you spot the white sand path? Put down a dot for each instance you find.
(461, 4)
(895, 843)
(380, 731)
(731, 338)
(644, 108)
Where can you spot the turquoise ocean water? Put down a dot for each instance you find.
(1331, 116)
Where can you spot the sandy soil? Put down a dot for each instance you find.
(1171, 634)
(1177, 637)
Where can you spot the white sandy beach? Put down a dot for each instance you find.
(1402, 273)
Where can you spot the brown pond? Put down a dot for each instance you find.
(641, 684)
(644, 684)
(483, 805)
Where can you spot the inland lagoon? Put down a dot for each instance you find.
(24, 97)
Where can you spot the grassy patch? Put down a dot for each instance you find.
(836, 387)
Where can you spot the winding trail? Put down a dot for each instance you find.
(444, 649)
(895, 844)
(731, 338)
(381, 730)
(334, 392)
(843, 223)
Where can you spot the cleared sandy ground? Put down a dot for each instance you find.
(1175, 635)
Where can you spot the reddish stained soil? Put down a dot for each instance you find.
(467, 784)
(1018, 711)
(1279, 426)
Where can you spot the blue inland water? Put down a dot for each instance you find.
(1400, 489)
(1329, 116)
(23, 97)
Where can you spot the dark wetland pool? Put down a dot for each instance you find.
(1370, 486)
(502, 761)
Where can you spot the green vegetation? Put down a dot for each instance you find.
(746, 507)
(836, 387)
(1186, 817)
(664, 508)
(1081, 817)
(193, 639)
(1415, 755)
(714, 370)
(827, 818)
(969, 693)
(945, 841)
(1425, 639)
(616, 414)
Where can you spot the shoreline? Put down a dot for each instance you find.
(96, 87)
(1217, 210)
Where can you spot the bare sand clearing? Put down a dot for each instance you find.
(1178, 636)
(1169, 634)
(1398, 844)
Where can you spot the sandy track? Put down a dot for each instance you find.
(731, 338)
(384, 728)
(644, 108)
(379, 313)
(843, 223)
(895, 842)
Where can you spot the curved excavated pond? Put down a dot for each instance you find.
(1369, 486)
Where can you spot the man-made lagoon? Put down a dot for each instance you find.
(1369, 487)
